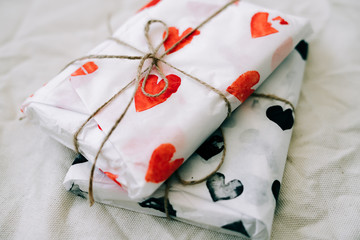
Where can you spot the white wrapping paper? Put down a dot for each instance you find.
(235, 52)
(241, 197)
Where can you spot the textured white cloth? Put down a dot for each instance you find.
(319, 198)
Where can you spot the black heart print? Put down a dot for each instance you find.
(238, 227)
(284, 119)
(221, 191)
(75, 188)
(158, 204)
(79, 159)
(302, 49)
(275, 188)
(211, 147)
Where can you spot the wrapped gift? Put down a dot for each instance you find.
(183, 89)
(240, 197)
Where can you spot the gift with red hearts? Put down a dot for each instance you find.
(172, 73)
(240, 197)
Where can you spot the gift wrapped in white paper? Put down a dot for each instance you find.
(241, 196)
(234, 52)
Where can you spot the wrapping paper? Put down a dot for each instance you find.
(233, 56)
(240, 197)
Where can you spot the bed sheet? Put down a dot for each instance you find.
(319, 197)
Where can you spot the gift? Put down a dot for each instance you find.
(140, 103)
(240, 197)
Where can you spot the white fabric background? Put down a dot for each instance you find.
(320, 195)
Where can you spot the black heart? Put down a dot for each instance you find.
(284, 119)
(211, 147)
(302, 49)
(275, 188)
(79, 159)
(238, 227)
(221, 191)
(75, 188)
(158, 204)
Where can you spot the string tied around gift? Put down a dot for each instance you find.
(206, 177)
(197, 181)
(152, 55)
(274, 97)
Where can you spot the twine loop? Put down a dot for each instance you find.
(155, 60)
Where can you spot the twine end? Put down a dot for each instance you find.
(91, 198)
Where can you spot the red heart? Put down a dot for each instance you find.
(150, 4)
(282, 21)
(260, 26)
(143, 102)
(241, 88)
(113, 177)
(160, 167)
(85, 69)
(174, 38)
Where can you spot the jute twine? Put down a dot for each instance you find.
(203, 179)
(274, 97)
(152, 55)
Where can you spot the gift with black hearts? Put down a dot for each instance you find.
(240, 197)
(144, 100)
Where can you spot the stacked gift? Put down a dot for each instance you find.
(149, 97)
(242, 194)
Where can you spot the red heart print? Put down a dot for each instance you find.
(149, 4)
(241, 88)
(113, 177)
(260, 26)
(143, 102)
(174, 38)
(282, 21)
(85, 69)
(160, 166)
